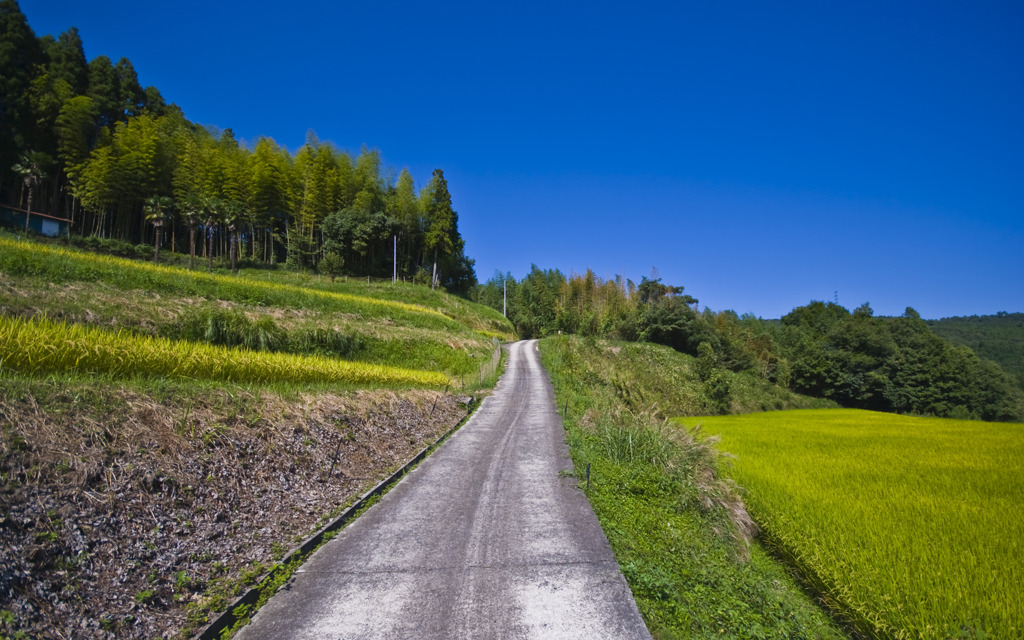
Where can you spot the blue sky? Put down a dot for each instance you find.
(761, 155)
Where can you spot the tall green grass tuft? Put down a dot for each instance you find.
(41, 346)
(232, 328)
(325, 342)
(636, 444)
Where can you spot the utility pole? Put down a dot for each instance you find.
(504, 297)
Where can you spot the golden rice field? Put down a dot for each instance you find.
(42, 346)
(911, 527)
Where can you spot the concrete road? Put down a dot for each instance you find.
(485, 539)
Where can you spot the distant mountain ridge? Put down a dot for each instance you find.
(999, 338)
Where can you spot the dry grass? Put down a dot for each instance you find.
(109, 492)
(716, 490)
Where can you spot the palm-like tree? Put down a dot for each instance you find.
(212, 207)
(157, 210)
(192, 208)
(30, 168)
(233, 217)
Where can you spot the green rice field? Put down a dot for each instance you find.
(908, 527)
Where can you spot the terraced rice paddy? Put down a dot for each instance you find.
(910, 527)
(39, 347)
(31, 259)
(395, 326)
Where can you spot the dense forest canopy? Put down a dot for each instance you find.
(999, 338)
(821, 349)
(82, 140)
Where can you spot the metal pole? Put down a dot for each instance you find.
(394, 271)
(504, 297)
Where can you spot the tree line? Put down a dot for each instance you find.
(895, 364)
(999, 338)
(84, 141)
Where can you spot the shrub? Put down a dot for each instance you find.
(331, 265)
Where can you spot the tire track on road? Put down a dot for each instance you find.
(485, 539)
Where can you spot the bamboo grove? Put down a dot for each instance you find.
(83, 141)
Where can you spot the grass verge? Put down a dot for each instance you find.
(677, 527)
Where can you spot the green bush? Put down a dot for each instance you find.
(331, 265)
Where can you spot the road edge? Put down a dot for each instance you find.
(246, 605)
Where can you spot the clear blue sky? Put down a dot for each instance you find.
(762, 156)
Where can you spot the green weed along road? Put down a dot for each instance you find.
(912, 524)
(654, 491)
(39, 347)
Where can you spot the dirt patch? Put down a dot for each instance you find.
(130, 517)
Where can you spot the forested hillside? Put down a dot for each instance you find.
(83, 143)
(999, 338)
(821, 349)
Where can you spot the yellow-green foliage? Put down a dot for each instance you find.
(911, 526)
(36, 259)
(34, 347)
(496, 334)
(478, 317)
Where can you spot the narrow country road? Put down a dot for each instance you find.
(485, 539)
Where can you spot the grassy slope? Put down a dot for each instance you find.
(190, 485)
(903, 520)
(475, 316)
(677, 528)
(397, 325)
